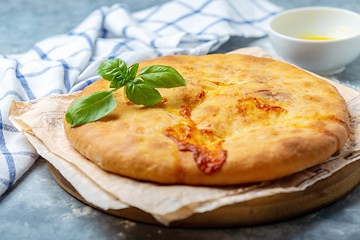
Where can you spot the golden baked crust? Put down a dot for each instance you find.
(241, 119)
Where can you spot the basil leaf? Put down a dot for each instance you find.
(131, 71)
(99, 104)
(111, 67)
(118, 81)
(159, 76)
(140, 93)
(91, 108)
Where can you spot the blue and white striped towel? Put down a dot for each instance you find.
(67, 63)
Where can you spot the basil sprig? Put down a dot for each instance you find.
(139, 89)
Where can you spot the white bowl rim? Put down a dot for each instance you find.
(302, 9)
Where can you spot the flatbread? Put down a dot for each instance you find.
(240, 119)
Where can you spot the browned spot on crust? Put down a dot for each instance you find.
(223, 84)
(185, 111)
(279, 96)
(200, 97)
(164, 100)
(205, 146)
(248, 104)
(312, 98)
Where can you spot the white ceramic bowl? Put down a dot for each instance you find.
(320, 56)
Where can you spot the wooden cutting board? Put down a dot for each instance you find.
(258, 211)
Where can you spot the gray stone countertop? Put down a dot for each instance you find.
(38, 208)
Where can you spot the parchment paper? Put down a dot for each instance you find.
(41, 121)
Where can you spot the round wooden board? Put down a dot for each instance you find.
(257, 211)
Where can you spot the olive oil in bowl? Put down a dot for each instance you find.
(318, 38)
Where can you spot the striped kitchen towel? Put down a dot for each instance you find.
(67, 63)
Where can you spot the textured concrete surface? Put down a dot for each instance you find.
(38, 208)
